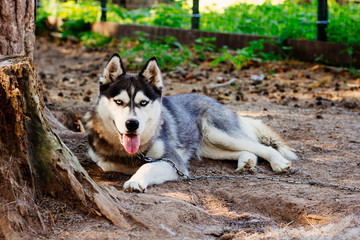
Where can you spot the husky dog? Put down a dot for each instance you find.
(130, 117)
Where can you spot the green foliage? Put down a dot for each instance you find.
(41, 17)
(237, 61)
(344, 23)
(168, 51)
(350, 51)
(81, 30)
(204, 46)
(124, 16)
(92, 39)
(244, 56)
(355, 73)
(288, 20)
(167, 15)
(171, 15)
(86, 10)
(74, 28)
(292, 19)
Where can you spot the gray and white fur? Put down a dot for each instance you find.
(130, 116)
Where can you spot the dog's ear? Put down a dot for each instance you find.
(152, 73)
(114, 68)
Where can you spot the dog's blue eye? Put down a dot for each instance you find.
(118, 102)
(143, 103)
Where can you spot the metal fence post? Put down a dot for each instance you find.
(322, 21)
(195, 17)
(103, 10)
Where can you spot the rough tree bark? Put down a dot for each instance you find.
(17, 27)
(34, 161)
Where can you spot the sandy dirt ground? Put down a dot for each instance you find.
(316, 108)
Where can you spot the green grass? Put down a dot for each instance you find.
(288, 20)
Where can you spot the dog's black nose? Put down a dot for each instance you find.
(132, 125)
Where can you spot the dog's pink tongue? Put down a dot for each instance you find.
(131, 142)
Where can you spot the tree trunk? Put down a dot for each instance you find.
(17, 27)
(34, 161)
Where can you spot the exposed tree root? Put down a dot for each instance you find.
(34, 161)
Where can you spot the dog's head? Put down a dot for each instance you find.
(131, 103)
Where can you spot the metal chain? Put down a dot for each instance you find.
(250, 177)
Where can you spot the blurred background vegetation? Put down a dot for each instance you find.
(282, 19)
(285, 19)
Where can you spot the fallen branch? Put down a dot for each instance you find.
(231, 81)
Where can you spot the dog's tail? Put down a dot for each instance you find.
(269, 137)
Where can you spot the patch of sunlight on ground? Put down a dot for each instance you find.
(346, 228)
(210, 203)
(179, 195)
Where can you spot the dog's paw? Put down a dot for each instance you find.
(247, 162)
(281, 165)
(134, 186)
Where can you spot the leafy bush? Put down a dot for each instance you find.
(169, 52)
(124, 16)
(74, 28)
(292, 19)
(86, 10)
(174, 15)
(244, 56)
(344, 23)
(92, 39)
(204, 46)
(41, 17)
(82, 30)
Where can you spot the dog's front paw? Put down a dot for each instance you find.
(134, 186)
(247, 162)
(281, 165)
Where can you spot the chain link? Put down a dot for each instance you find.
(249, 177)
